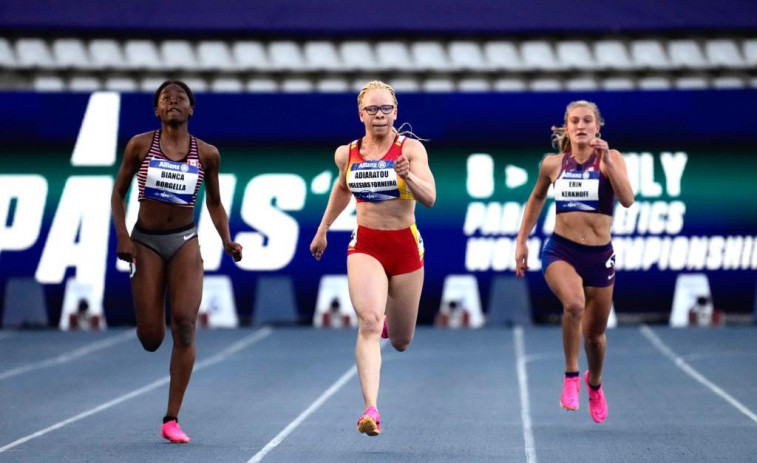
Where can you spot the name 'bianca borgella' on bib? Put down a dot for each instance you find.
(172, 182)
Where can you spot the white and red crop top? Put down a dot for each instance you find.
(175, 182)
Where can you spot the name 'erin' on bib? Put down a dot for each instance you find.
(583, 187)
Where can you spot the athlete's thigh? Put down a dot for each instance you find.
(565, 282)
(148, 287)
(598, 306)
(368, 284)
(185, 273)
(404, 298)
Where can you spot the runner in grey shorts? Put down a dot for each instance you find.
(170, 166)
(164, 243)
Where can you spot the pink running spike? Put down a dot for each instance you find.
(570, 389)
(370, 422)
(597, 402)
(385, 331)
(173, 433)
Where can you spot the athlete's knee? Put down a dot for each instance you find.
(371, 322)
(574, 309)
(401, 344)
(151, 339)
(183, 331)
(595, 339)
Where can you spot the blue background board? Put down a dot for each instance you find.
(693, 118)
(295, 136)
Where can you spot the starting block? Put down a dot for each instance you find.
(217, 309)
(461, 303)
(333, 308)
(703, 313)
(82, 309)
(692, 301)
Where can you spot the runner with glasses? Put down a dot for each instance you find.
(373, 110)
(387, 173)
(578, 259)
(162, 250)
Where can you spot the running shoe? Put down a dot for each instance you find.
(173, 433)
(370, 422)
(597, 402)
(385, 331)
(570, 390)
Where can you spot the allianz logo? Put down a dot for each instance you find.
(374, 164)
(171, 165)
(576, 175)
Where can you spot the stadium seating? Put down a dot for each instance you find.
(178, 55)
(432, 65)
(649, 55)
(7, 57)
(466, 56)
(34, 54)
(393, 56)
(106, 54)
(503, 56)
(215, 55)
(250, 56)
(724, 53)
(687, 54)
(70, 54)
(142, 55)
(575, 55)
(286, 56)
(321, 56)
(356, 56)
(750, 53)
(612, 55)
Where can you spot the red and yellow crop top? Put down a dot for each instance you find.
(375, 180)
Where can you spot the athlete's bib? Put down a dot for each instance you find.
(376, 180)
(577, 191)
(373, 180)
(171, 182)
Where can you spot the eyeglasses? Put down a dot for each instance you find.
(372, 110)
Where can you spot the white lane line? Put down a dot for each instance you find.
(273, 443)
(333, 389)
(69, 356)
(689, 370)
(221, 356)
(525, 404)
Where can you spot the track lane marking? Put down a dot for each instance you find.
(212, 360)
(525, 405)
(658, 343)
(315, 405)
(69, 356)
